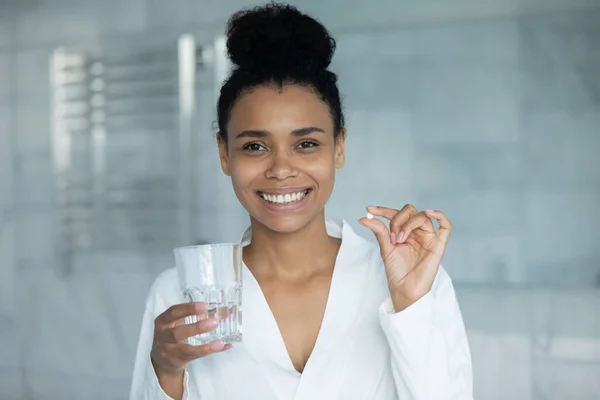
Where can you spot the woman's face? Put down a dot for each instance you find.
(282, 155)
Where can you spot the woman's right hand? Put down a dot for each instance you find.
(171, 353)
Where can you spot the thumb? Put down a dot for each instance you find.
(381, 233)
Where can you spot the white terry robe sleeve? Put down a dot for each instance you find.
(144, 385)
(430, 354)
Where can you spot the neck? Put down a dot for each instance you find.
(291, 255)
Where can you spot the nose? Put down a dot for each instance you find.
(281, 165)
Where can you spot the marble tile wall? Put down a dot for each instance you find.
(487, 110)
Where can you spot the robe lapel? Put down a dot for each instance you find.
(262, 338)
(322, 374)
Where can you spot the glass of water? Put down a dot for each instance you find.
(213, 274)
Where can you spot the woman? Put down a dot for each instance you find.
(327, 315)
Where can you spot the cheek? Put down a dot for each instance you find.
(244, 173)
(322, 171)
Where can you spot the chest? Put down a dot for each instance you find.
(350, 360)
(298, 309)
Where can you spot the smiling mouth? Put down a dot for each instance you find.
(284, 198)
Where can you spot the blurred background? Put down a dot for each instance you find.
(486, 109)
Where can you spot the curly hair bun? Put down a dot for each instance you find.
(278, 37)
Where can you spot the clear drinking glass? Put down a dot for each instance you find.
(213, 274)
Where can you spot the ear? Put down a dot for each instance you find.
(223, 154)
(340, 156)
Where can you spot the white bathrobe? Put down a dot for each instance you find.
(363, 351)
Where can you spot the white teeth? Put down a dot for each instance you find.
(284, 199)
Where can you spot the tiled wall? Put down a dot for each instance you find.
(488, 110)
(495, 122)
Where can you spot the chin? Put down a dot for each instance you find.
(284, 224)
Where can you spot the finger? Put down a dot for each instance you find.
(401, 218)
(445, 225)
(384, 212)
(182, 332)
(190, 352)
(178, 311)
(417, 221)
(381, 233)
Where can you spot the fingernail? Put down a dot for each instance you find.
(371, 207)
(429, 210)
(393, 238)
(211, 322)
(400, 237)
(217, 346)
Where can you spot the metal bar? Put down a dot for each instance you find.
(187, 92)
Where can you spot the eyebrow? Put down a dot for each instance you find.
(262, 133)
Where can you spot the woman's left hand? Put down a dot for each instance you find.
(411, 249)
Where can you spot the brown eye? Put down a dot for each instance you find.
(253, 147)
(307, 144)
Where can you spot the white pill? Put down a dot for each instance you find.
(369, 215)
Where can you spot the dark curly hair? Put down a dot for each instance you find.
(278, 45)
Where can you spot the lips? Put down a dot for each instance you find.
(284, 198)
